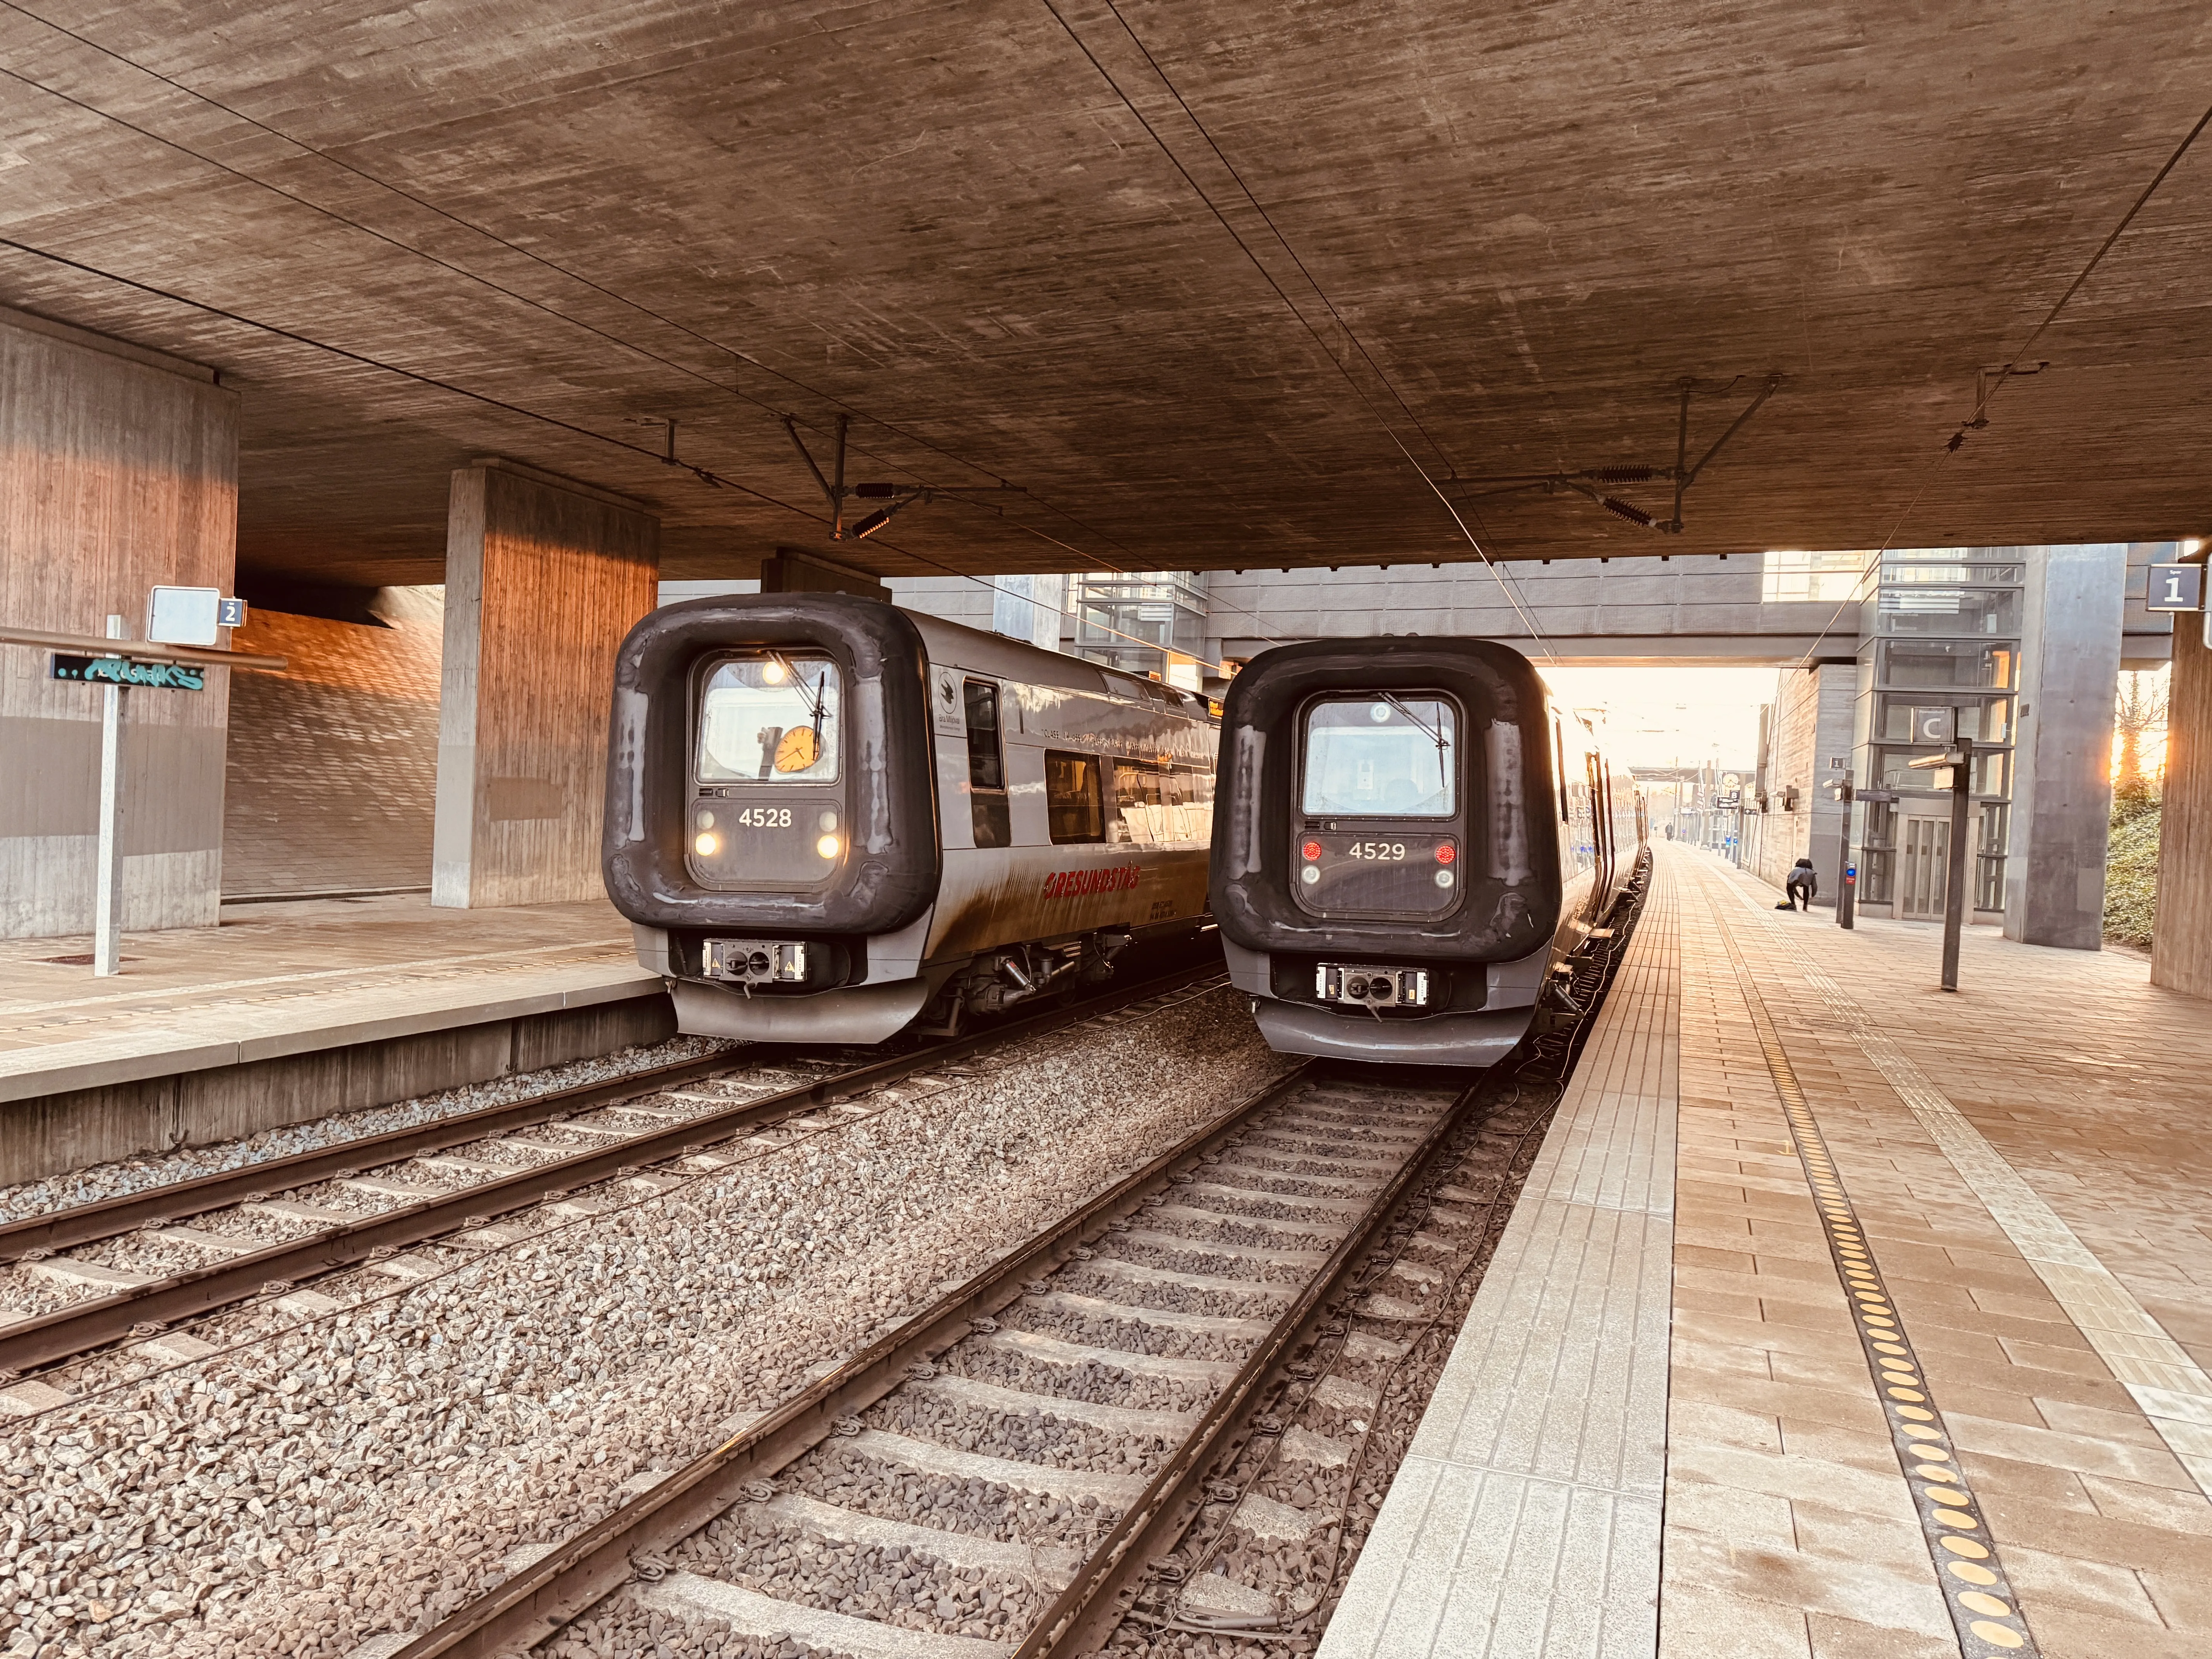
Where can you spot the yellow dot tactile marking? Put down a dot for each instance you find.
(1984, 1611)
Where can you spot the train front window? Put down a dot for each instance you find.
(1381, 756)
(770, 718)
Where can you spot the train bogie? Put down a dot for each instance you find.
(828, 819)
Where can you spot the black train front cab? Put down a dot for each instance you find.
(813, 818)
(1387, 871)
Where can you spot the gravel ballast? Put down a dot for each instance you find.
(367, 1472)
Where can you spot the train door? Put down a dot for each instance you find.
(986, 764)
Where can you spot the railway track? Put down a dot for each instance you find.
(139, 1267)
(1163, 1414)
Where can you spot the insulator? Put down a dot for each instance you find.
(1622, 474)
(1635, 515)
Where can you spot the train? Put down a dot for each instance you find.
(1411, 838)
(828, 820)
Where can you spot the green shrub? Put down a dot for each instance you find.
(2132, 875)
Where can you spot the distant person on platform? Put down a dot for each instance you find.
(1670, 832)
(1801, 883)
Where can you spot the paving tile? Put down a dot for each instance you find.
(2154, 1466)
(2152, 1506)
(1869, 1592)
(2105, 1589)
(1847, 1639)
(1699, 1622)
(2067, 1633)
(1730, 1511)
(1800, 1479)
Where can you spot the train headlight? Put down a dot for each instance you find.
(707, 846)
(1311, 849)
(828, 846)
(1443, 877)
(1446, 851)
(1310, 874)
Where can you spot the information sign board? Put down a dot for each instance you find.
(2175, 587)
(117, 670)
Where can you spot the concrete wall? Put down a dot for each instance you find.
(1811, 729)
(333, 764)
(119, 471)
(1628, 610)
(43, 1135)
(2181, 943)
(543, 579)
(2070, 651)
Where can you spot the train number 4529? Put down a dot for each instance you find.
(1387, 852)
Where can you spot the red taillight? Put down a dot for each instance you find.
(1446, 852)
(1311, 849)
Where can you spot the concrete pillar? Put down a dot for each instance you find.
(543, 576)
(2181, 943)
(2063, 758)
(119, 471)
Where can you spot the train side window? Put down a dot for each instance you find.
(1559, 746)
(1601, 810)
(986, 765)
(1141, 796)
(1194, 803)
(1072, 804)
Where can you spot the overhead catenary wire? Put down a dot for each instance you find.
(705, 475)
(948, 492)
(1152, 132)
(951, 492)
(1990, 386)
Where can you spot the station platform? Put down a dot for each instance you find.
(1842, 1318)
(294, 1010)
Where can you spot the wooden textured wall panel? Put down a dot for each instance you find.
(2181, 948)
(118, 471)
(544, 578)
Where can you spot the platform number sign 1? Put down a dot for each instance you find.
(2175, 587)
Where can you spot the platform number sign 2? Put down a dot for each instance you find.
(2175, 587)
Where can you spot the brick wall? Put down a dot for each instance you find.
(331, 772)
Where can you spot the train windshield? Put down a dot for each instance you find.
(770, 718)
(1383, 756)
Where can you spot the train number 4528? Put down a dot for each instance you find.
(765, 818)
(1387, 852)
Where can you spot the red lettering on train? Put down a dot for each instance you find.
(1081, 883)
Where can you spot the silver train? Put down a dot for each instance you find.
(828, 819)
(1412, 836)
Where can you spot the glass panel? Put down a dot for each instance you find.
(1828, 578)
(1896, 571)
(1983, 721)
(1936, 610)
(769, 720)
(1990, 858)
(987, 767)
(1380, 758)
(1155, 806)
(1948, 665)
(1072, 804)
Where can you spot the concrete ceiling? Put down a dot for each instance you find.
(1009, 238)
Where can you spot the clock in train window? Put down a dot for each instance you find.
(770, 718)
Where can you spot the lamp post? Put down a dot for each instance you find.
(1959, 757)
(1955, 888)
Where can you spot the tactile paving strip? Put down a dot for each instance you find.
(1975, 1588)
